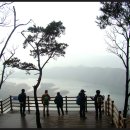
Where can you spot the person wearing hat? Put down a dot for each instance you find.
(82, 103)
(98, 99)
(22, 101)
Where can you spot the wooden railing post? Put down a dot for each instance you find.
(103, 107)
(86, 105)
(11, 106)
(108, 105)
(112, 111)
(119, 118)
(66, 104)
(28, 104)
(124, 123)
(1, 105)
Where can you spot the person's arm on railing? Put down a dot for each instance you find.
(92, 97)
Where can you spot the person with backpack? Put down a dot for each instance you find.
(81, 100)
(22, 101)
(45, 101)
(59, 102)
(98, 100)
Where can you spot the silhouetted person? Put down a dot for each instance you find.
(98, 99)
(45, 101)
(82, 103)
(22, 101)
(59, 102)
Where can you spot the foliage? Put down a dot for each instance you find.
(116, 15)
(43, 42)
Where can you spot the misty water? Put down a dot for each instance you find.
(67, 88)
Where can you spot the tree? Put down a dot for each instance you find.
(43, 43)
(5, 22)
(4, 13)
(116, 15)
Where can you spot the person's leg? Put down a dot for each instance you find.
(21, 109)
(43, 110)
(100, 112)
(58, 109)
(62, 110)
(47, 110)
(96, 108)
(81, 110)
(24, 105)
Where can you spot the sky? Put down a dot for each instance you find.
(86, 40)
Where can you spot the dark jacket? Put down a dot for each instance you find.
(22, 97)
(58, 100)
(82, 98)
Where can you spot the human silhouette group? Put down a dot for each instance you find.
(58, 100)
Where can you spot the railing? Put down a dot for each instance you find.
(116, 116)
(5, 104)
(69, 103)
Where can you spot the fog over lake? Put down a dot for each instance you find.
(69, 81)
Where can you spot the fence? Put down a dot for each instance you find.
(108, 107)
(116, 116)
(69, 104)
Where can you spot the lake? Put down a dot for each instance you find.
(70, 88)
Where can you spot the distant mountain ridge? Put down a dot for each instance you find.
(101, 76)
(113, 77)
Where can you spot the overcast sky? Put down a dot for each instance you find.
(85, 39)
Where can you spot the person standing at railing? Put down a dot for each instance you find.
(82, 98)
(22, 100)
(98, 99)
(59, 102)
(45, 101)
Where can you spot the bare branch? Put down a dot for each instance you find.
(5, 13)
(10, 36)
(116, 45)
(116, 30)
(5, 4)
(14, 17)
(123, 60)
(47, 60)
(7, 75)
(12, 53)
(1, 41)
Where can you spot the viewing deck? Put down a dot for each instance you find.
(70, 120)
(10, 115)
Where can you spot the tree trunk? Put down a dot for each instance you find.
(37, 109)
(126, 97)
(127, 82)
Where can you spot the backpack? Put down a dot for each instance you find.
(78, 100)
(22, 97)
(46, 100)
(99, 100)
